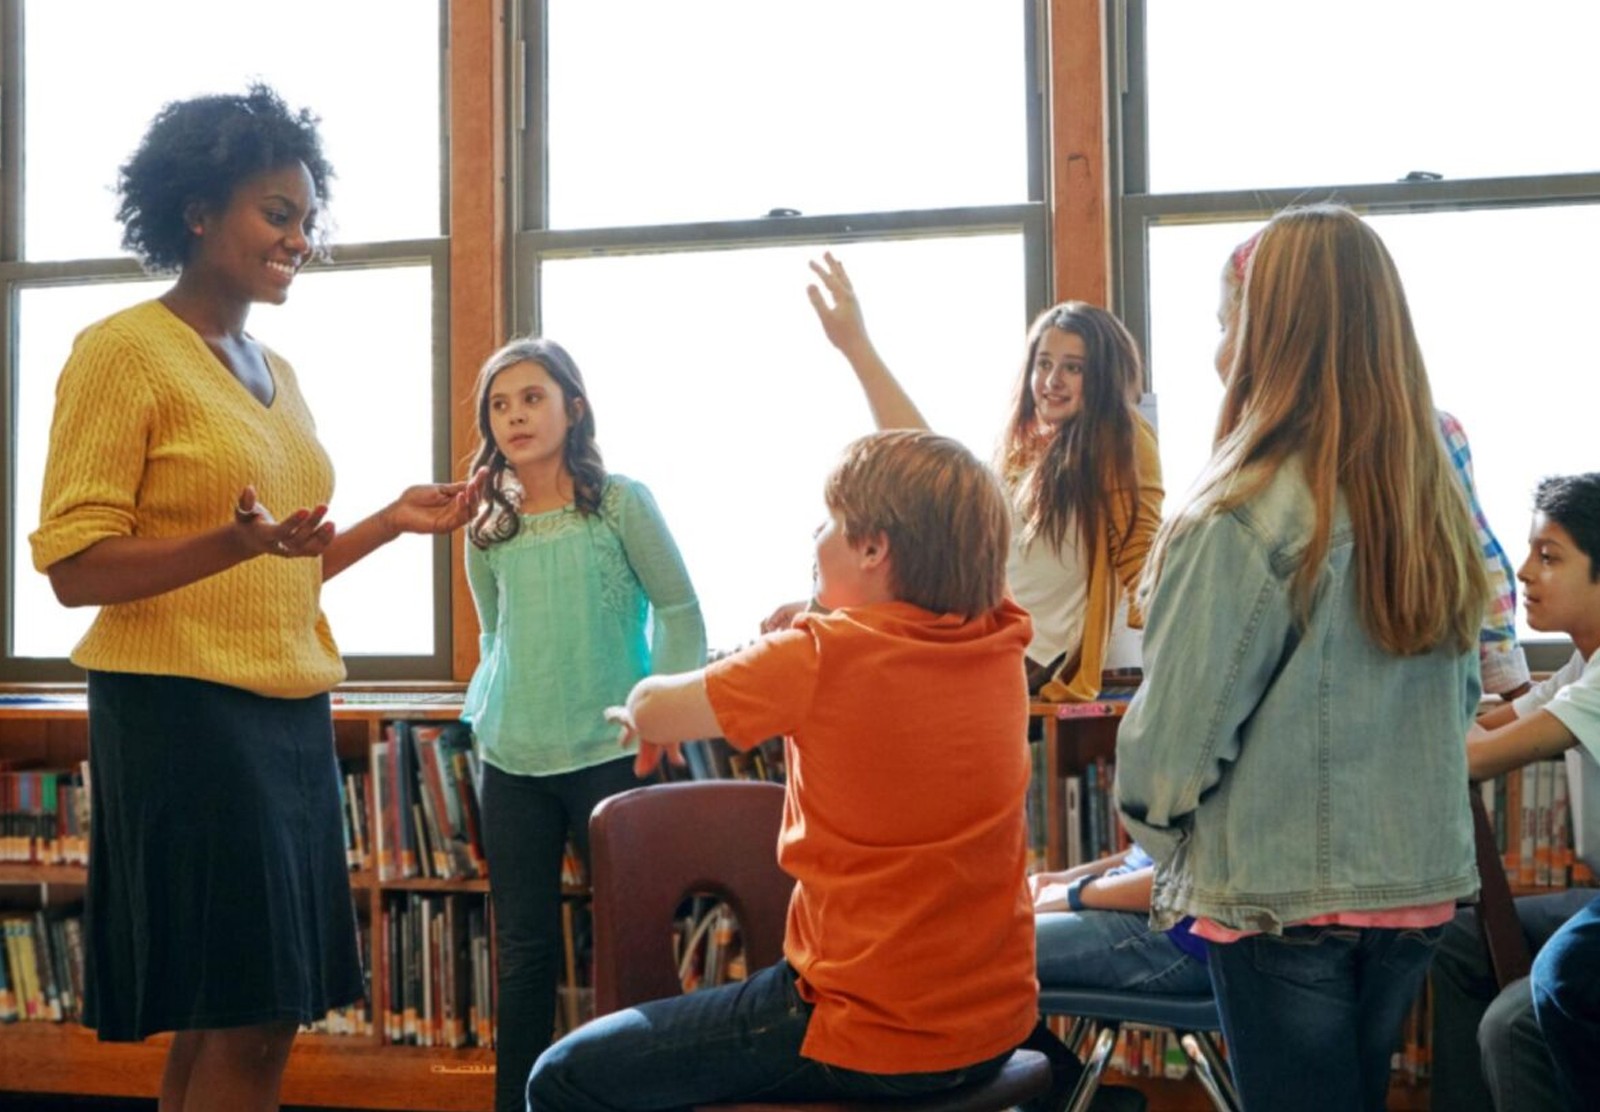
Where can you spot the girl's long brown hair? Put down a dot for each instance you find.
(1326, 368)
(499, 518)
(1077, 472)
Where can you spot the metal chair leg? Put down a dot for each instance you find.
(1092, 1069)
(1211, 1070)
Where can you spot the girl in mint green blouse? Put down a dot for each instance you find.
(580, 593)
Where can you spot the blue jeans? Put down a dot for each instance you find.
(1313, 1015)
(1566, 1002)
(737, 1042)
(1113, 950)
(526, 823)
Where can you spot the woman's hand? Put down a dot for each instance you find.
(435, 507)
(839, 311)
(302, 533)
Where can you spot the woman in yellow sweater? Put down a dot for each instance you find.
(186, 496)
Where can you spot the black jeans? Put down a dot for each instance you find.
(526, 822)
(1488, 1052)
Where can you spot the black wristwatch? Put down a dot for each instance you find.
(1075, 891)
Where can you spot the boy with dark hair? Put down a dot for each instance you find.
(909, 962)
(1522, 1063)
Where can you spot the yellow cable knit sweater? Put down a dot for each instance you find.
(154, 437)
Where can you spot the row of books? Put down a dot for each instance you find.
(44, 816)
(424, 807)
(41, 967)
(1090, 824)
(353, 1019)
(715, 759)
(1536, 813)
(440, 985)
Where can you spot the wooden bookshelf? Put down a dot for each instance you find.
(347, 1071)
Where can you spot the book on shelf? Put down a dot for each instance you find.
(425, 802)
(41, 965)
(438, 958)
(44, 815)
(708, 945)
(1072, 824)
(1535, 813)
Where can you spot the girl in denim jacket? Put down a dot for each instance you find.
(1294, 760)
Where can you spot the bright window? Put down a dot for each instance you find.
(1248, 94)
(364, 331)
(1498, 272)
(810, 105)
(900, 134)
(734, 426)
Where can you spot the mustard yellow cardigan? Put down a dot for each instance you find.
(154, 437)
(1116, 561)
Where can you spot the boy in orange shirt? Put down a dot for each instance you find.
(909, 964)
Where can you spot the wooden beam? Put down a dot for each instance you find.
(1080, 190)
(477, 85)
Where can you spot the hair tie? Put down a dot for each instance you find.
(1241, 256)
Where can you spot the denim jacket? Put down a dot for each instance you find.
(1277, 772)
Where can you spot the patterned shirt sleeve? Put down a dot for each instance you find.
(1500, 657)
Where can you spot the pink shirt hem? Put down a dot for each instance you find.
(1395, 918)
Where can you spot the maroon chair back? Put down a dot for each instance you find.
(1497, 914)
(651, 848)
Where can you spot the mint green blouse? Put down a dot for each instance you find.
(573, 611)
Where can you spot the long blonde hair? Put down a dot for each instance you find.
(1326, 367)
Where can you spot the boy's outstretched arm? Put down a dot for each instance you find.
(662, 712)
(1495, 745)
(892, 407)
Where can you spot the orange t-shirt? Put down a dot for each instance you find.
(904, 827)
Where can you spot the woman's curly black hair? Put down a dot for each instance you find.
(197, 151)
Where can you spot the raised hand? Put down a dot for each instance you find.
(838, 309)
(840, 314)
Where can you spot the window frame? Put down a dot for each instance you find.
(1136, 210)
(16, 273)
(533, 241)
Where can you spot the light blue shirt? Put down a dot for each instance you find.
(564, 608)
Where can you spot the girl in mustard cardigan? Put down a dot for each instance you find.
(1078, 461)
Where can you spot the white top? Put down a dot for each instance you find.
(1052, 585)
(1573, 696)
